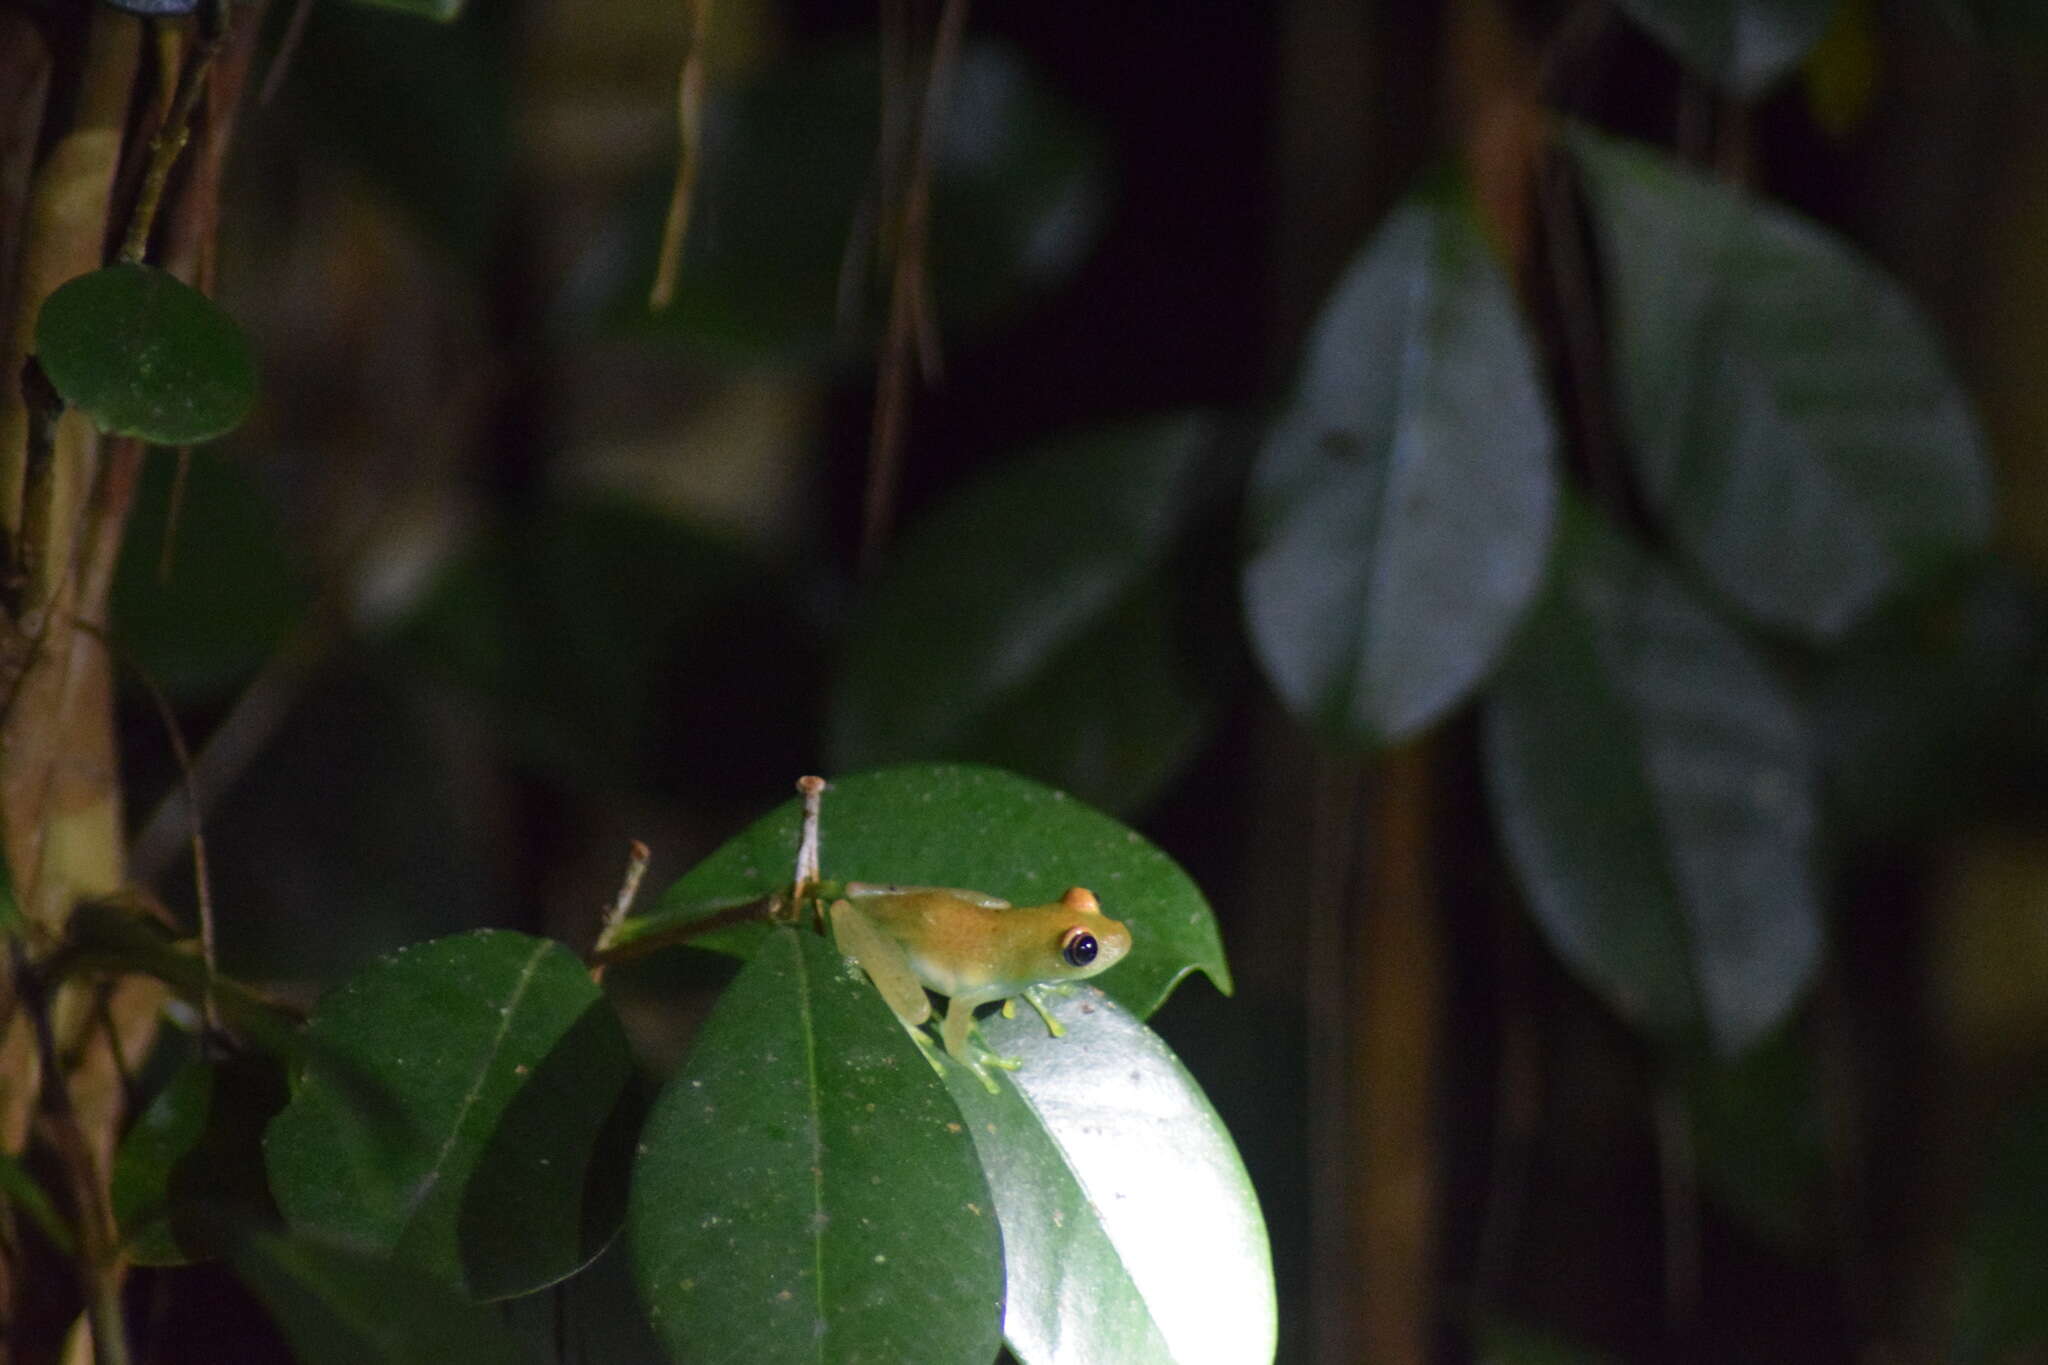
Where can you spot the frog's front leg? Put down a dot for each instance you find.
(1036, 995)
(959, 1023)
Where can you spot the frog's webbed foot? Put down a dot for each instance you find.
(1035, 994)
(926, 1046)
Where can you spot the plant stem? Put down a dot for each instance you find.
(170, 140)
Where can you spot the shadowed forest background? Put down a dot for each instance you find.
(506, 570)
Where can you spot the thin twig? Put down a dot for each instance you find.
(1678, 1170)
(98, 1272)
(287, 49)
(908, 331)
(690, 138)
(170, 140)
(173, 515)
(812, 789)
(202, 883)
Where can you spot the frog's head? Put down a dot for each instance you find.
(1089, 941)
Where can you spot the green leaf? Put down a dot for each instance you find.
(490, 1163)
(1130, 1231)
(1402, 510)
(2001, 1305)
(23, 1191)
(144, 354)
(340, 1307)
(956, 825)
(234, 592)
(805, 1190)
(1790, 413)
(446, 11)
(12, 921)
(195, 1159)
(1744, 46)
(1043, 621)
(1654, 789)
(782, 243)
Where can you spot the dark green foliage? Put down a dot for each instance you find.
(461, 1111)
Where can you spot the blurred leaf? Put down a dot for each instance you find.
(601, 634)
(1041, 621)
(22, 1190)
(443, 10)
(195, 1158)
(157, 8)
(144, 354)
(1131, 1233)
(422, 110)
(805, 1190)
(1985, 960)
(340, 1307)
(1791, 415)
(1842, 71)
(1402, 511)
(980, 828)
(1653, 788)
(234, 592)
(1921, 715)
(1743, 46)
(12, 921)
(505, 1073)
(2001, 1309)
(784, 207)
(1762, 1141)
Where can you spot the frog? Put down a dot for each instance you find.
(974, 949)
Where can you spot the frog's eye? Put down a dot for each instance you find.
(1078, 947)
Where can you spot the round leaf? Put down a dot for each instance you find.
(1131, 1234)
(144, 354)
(1402, 510)
(1654, 789)
(461, 1110)
(805, 1191)
(1069, 651)
(1790, 414)
(1744, 46)
(980, 828)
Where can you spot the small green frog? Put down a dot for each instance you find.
(973, 949)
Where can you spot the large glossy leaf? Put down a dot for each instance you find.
(1654, 787)
(26, 1194)
(1131, 1235)
(339, 1307)
(194, 1160)
(144, 354)
(494, 1162)
(981, 828)
(1402, 509)
(805, 1190)
(1042, 621)
(1790, 413)
(783, 232)
(1744, 46)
